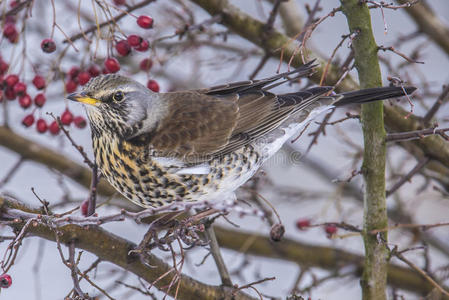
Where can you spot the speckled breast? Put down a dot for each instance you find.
(131, 171)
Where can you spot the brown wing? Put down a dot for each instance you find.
(195, 126)
(203, 124)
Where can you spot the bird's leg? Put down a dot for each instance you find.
(155, 226)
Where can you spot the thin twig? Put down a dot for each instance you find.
(419, 166)
(392, 49)
(77, 147)
(112, 20)
(93, 191)
(436, 106)
(73, 268)
(216, 254)
(416, 134)
(401, 257)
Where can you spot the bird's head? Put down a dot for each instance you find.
(115, 103)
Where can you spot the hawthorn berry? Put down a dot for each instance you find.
(302, 224)
(144, 45)
(20, 88)
(70, 86)
(330, 230)
(84, 207)
(11, 80)
(134, 40)
(94, 71)
(119, 2)
(66, 117)
(83, 77)
(123, 48)
(25, 101)
(13, 39)
(28, 120)
(153, 85)
(39, 82)
(112, 65)
(9, 30)
(48, 46)
(39, 100)
(54, 128)
(73, 72)
(80, 122)
(41, 126)
(3, 67)
(145, 22)
(10, 94)
(146, 64)
(5, 281)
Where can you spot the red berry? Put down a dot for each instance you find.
(302, 224)
(105, 71)
(1, 95)
(70, 86)
(144, 45)
(94, 71)
(41, 126)
(20, 88)
(83, 77)
(54, 128)
(25, 101)
(28, 120)
(153, 85)
(134, 40)
(330, 230)
(39, 100)
(11, 80)
(84, 207)
(66, 117)
(112, 65)
(39, 82)
(10, 94)
(146, 64)
(119, 2)
(79, 122)
(123, 48)
(73, 72)
(3, 67)
(48, 46)
(5, 281)
(13, 39)
(13, 3)
(145, 22)
(9, 30)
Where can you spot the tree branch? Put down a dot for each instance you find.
(374, 278)
(109, 247)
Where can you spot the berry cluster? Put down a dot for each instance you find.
(330, 229)
(32, 94)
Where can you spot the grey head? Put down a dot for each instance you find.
(116, 103)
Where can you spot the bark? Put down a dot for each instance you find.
(374, 277)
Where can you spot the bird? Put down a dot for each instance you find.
(192, 146)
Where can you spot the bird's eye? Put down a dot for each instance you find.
(118, 96)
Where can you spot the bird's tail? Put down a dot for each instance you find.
(374, 94)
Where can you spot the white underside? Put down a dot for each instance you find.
(267, 147)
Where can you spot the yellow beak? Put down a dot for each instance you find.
(83, 98)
